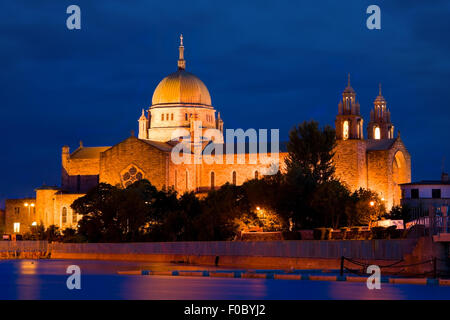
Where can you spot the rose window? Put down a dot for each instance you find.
(131, 175)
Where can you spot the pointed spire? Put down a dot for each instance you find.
(143, 117)
(181, 61)
(349, 88)
(81, 143)
(379, 85)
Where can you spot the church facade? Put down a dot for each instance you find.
(181, 108)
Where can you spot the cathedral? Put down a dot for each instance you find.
(182, 107)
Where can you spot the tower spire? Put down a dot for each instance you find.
(181, 61)
(379, 85)
(348, 83)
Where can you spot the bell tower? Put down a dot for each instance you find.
(349, 123)
(380, 126)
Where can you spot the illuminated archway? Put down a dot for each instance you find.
(345, 130)
(377, 133)
(399, 175)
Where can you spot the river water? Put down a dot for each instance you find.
(46, 279)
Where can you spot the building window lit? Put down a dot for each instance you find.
(74, 217)
(234, 178)
(171, 116)
(64, 215)
(377, 133)
(162, 116)
(16, 227)
(345, 130)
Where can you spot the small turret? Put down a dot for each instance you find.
(349, 122)
(380, 126)
(143, 126)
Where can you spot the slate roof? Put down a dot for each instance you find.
(382, 144)
(426, 183)
(163, 146)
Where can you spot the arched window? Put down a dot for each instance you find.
(74, 217)
(162, 116)
(377, 133)
(64, 215)
(186, 116)
(213, 178)
(171, 116)
(345, 130)
(256, 174)
(234, 179)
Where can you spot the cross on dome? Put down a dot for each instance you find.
(181, 61)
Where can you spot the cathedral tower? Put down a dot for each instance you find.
(349, 123)
(380, 126)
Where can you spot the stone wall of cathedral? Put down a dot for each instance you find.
(133, 159)
(78, 175)
(350, 163)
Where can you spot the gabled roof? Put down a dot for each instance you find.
(88, 152)
(382, 144)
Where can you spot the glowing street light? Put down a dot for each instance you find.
(29, 206)
(372, 203)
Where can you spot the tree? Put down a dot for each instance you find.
(400, 213)
(52, 233)
(221, 211)
(311, 149)
(330, 201)
(366, 207)
(100, 209)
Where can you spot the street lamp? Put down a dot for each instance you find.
(372, 203)
(29, 206)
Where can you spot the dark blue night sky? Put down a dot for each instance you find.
(267, 64)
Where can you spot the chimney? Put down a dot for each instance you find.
(444, 177)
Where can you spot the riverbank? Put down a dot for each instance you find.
(417, 255)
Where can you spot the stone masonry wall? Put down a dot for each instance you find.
(152, 162)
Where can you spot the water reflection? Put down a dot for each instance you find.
(46, 279)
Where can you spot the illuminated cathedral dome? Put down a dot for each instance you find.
(181, 87)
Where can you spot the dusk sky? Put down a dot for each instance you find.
(267, 64)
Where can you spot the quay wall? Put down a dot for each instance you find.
(298, 254)
(302, 254)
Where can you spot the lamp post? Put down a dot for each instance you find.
(29, 206)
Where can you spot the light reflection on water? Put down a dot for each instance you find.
(46, 279)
